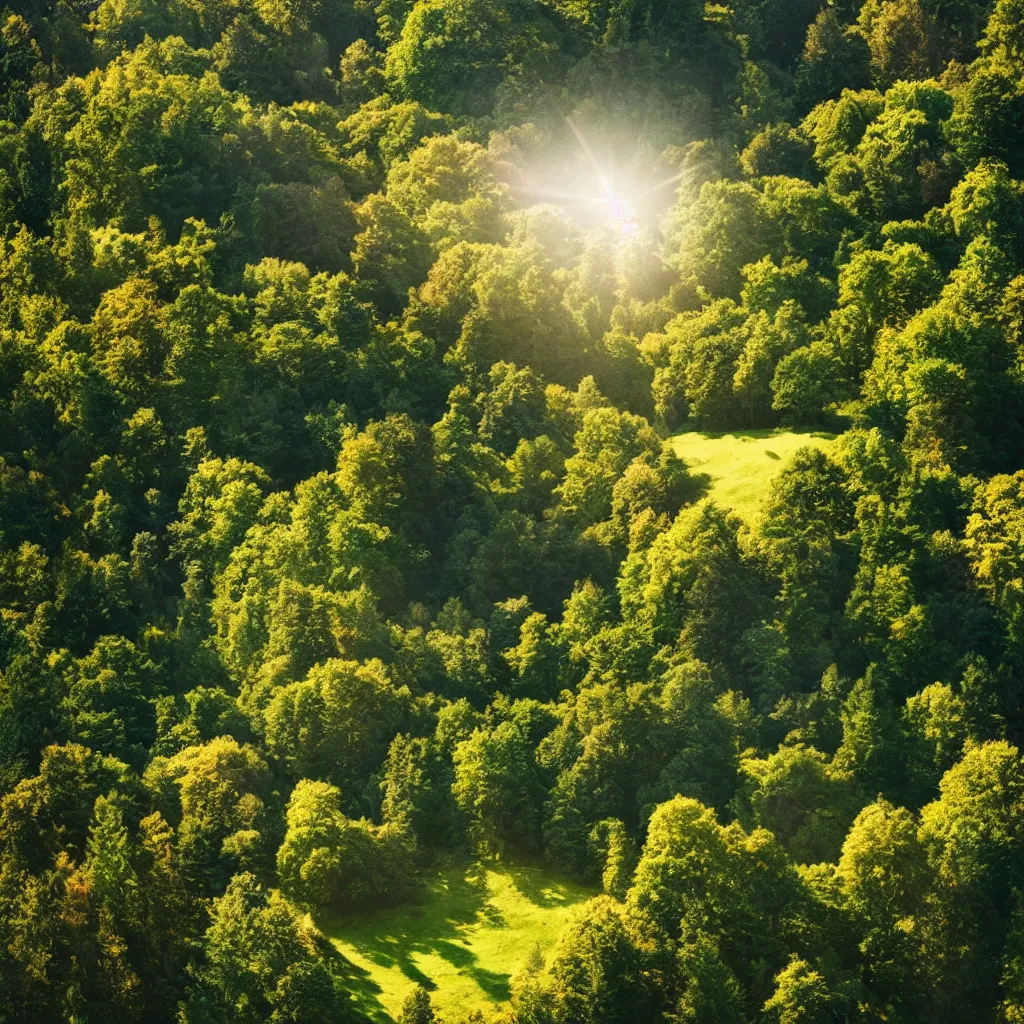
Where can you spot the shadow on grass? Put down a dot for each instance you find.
(697, 486)
(765, 433)
(430, 924)
(363, 988)
(434, 923)
(542, 890)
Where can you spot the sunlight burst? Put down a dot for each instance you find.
(621, 200)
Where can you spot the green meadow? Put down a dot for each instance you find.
(469, 931)
(741, 466)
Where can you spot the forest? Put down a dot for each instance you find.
(343, 536)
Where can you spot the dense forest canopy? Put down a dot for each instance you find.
(340, 344)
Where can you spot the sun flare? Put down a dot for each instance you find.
(610, 195)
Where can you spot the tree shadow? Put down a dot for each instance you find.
(698, 485)
(542, 890)
(432, 923)
(754, 434)
(763, 433)
(494, 984)
(395, 950)
(363, 989)
(435, 922)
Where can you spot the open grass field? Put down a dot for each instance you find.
(742, 465)
(467, 934)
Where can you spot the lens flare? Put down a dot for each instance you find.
(622, 214)
(623, 201)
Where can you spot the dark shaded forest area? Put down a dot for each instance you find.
(340, 344)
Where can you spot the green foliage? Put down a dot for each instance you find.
(806, 381)
(215, 795)
(417, 1008)
(263, 963)
(326, 860)
(835, 57)
(806, 804)
(694, 587)
(336, 723)
(341, 535)
(805, 993)
(597, 972)
(452, 56)
(988, 108)
(497, 788)
(726, 229)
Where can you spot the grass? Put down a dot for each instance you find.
(740, 466)
(467, 934)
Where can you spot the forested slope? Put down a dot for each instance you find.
(341, 531)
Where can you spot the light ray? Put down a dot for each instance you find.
(619, 194)
(585, 146)
(570, 197)
(620, 210)
(663, 184)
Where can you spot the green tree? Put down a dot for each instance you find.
(807, 381)
(884, 877)
(804, 993)
(336, 723)
(327, 860)
(834, 58)
(108, 866)
(727, 228)
(619, 856)
(216, 795)
(598, 969)
(694, 589)
(417, 1008)
(808, 805)
(711, 991)
(988, 110)
(263, 963)
(444, 47)
(497, 787)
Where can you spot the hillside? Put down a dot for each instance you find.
(365, 369)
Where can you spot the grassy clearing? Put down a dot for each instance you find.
(469, 932)
(742, 465)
